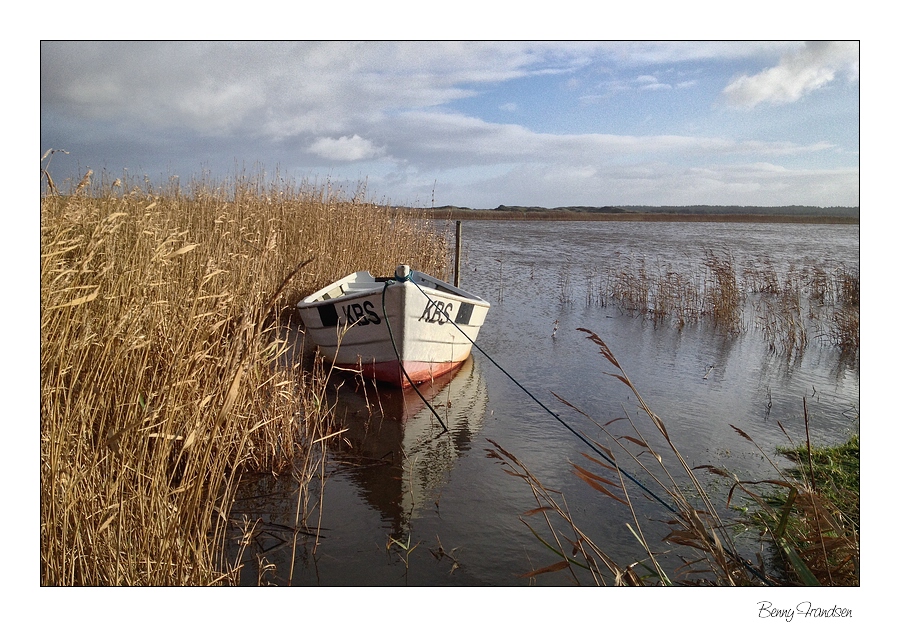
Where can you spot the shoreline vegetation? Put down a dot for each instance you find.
(166, 364)
(167, 368)
(733, 214)
(806, 519)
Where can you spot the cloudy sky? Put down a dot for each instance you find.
(475, 124)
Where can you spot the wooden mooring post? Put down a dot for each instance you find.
(458, 253)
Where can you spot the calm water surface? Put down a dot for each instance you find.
(401, 481)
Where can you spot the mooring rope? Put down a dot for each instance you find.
(556, 416)
(577, 433)
(387, 321)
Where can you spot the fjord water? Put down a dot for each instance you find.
(409, 504)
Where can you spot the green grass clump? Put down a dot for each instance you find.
(813, 518)
(833, 471)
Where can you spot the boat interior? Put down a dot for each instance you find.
(364, 282)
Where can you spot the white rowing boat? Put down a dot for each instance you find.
(404, 329)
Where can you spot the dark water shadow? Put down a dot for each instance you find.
(391, 459)
(395, 450)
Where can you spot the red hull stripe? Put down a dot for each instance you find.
(418, 371)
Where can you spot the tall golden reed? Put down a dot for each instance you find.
(163, 373)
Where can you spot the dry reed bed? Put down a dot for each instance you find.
(162, 361)
(786, 307)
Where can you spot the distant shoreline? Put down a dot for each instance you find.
(453, 214)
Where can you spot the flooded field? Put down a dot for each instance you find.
(407, 503)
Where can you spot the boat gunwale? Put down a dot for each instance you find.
(315, 300)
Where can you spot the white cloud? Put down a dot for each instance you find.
(443, 140)
(612, 87)
(344, 148)
(279, 89)
(395, 106)
(666, 52)
(655, 183)
(797, 74)
(650, 83)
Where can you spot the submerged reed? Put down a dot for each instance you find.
(787, 308)
(723, 299)
(165, 370)
(811, 524)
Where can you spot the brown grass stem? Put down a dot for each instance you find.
(168, 370)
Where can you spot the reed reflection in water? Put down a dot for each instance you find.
(439, 494)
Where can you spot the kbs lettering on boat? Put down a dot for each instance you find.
(437, 312)
(353, 314)
(361, 314)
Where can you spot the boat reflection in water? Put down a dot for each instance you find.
(395, 449)
(393, 458)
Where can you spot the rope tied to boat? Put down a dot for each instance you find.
(408, 277)
(401, 275)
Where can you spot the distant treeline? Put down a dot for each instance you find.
(830, 214)
(814, 211)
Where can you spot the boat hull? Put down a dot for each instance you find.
(410, 373)
(398, 331)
